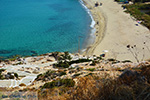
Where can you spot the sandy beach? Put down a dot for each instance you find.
(115, 30)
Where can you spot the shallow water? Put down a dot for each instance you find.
(40, 26)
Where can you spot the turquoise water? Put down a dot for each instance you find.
(40, 26)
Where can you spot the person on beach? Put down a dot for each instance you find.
(100, 4)
(96, 4)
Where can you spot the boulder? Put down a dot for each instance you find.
(22, 84)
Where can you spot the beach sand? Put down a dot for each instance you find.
(115, 30)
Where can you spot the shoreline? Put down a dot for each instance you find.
(99, 26)
(115, 30)
(89, 48)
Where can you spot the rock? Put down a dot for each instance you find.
(49, 60)
(46, 79)
(77, 54)
(37, 68)
(22, 84)
(35, 72)
(21, 69)
(27, 71)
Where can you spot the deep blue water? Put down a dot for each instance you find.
(42, 26)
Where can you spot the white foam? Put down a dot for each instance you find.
(91, 40)
(83, 50)
(89, 12)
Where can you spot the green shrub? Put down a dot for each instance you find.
(39, 75)
(62, 73)
(66, 64)
(1, 70)
(9, 73)
(79, 61)
(100, 58)
(75, 75)
(89, 74)
(91, 69)
(16, 75)
(93, 63)
(11, 77)
(1, 76)
(58, 83)
(111, 59)
(48, 74)
(136, 11)
(13, 58)
(19, 63)
(55, 55)
(62, 64)
(126, 61)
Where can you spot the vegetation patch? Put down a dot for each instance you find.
(62, 73)
(77, 74)
(49, 75)
(62, 64)
(16, 75)
(126, 61)
(90, 74)
(9, 75)
(66, 64)
(91, 69)
(79, 61)
(140, 12)
(93, 63)
(1, 70)
(58, 83)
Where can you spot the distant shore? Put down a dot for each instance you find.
(116, 29)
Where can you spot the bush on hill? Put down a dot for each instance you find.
(130, 85)
(49, 75)
(91, 88)
(136, 11)
(58, 83)
(66, 64)
(91, 69)
(16, 75)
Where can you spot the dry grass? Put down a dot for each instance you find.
(127, 88)
(130, 85)
(91, 89)
(86, 89)
(146, 72)
(53, 94)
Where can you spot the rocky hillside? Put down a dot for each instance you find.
(77, 77)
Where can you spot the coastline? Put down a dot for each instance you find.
(99, 26)
(116, 30)
(113, 31)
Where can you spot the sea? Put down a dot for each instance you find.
(34, 27)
